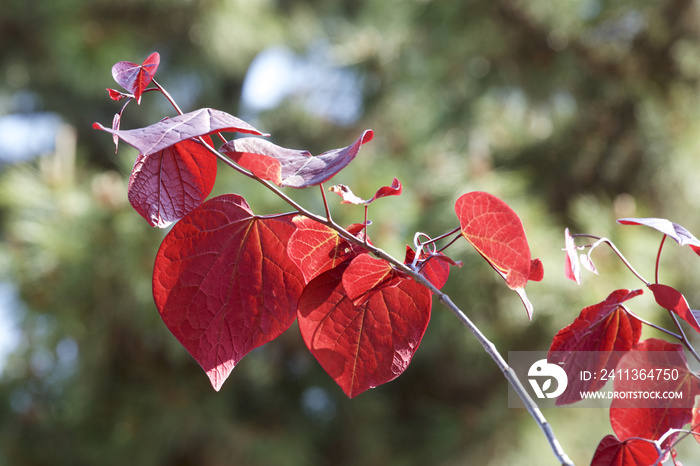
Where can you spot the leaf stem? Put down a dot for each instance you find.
(167, 96)
(627, 263)
(652, 325)
(658, 259)
(683, 338)
(325, 202)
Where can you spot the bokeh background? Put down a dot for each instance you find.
(575, 112)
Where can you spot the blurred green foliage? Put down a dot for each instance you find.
(576, 113)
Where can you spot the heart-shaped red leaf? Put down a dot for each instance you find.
(316, 248)
(167, 185)
(363, 346)
(659, 414)
(223, 282)
(135, 78)
(435, 267)
(671, 299)
(289, 167)
(673, 230)
(169, 131)
(497, 233)
(631, 452)
(593, 341)
(365, 275)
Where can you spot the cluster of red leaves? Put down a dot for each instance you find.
(227, 281)
(605, 337)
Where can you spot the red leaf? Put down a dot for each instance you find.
(167, 185)
(631, 452)
(497, 233)
(435, 267)
(572, 270)
(288, 167)
(671, 299)
(673, 230)
(135, 78)
(651, 422)
(170, 131)
(316, 248)
(363, 346)
(116, 95)
(536, 270)
(592, 341)
(223, 282)
(365, 275)
(350, 198)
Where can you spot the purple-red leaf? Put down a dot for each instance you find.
(671, 299)
(363, 346)
(170, 131)
(316, 248)
(289, 167)
(135, 78)
(660, 413)
(167, 185)
(223, 282)
(350, 198)
(673, 230)
(631, 452)
(593, 342)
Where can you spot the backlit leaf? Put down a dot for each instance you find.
(671, 299)
(592, 342)
(135, 78)
(659, 414)
(223, 282)
(289, 167)
(367, 345)
(169, 131)
(364, 275)
(497, 233)
(167, 185)
(631, 452)
(316, 248)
